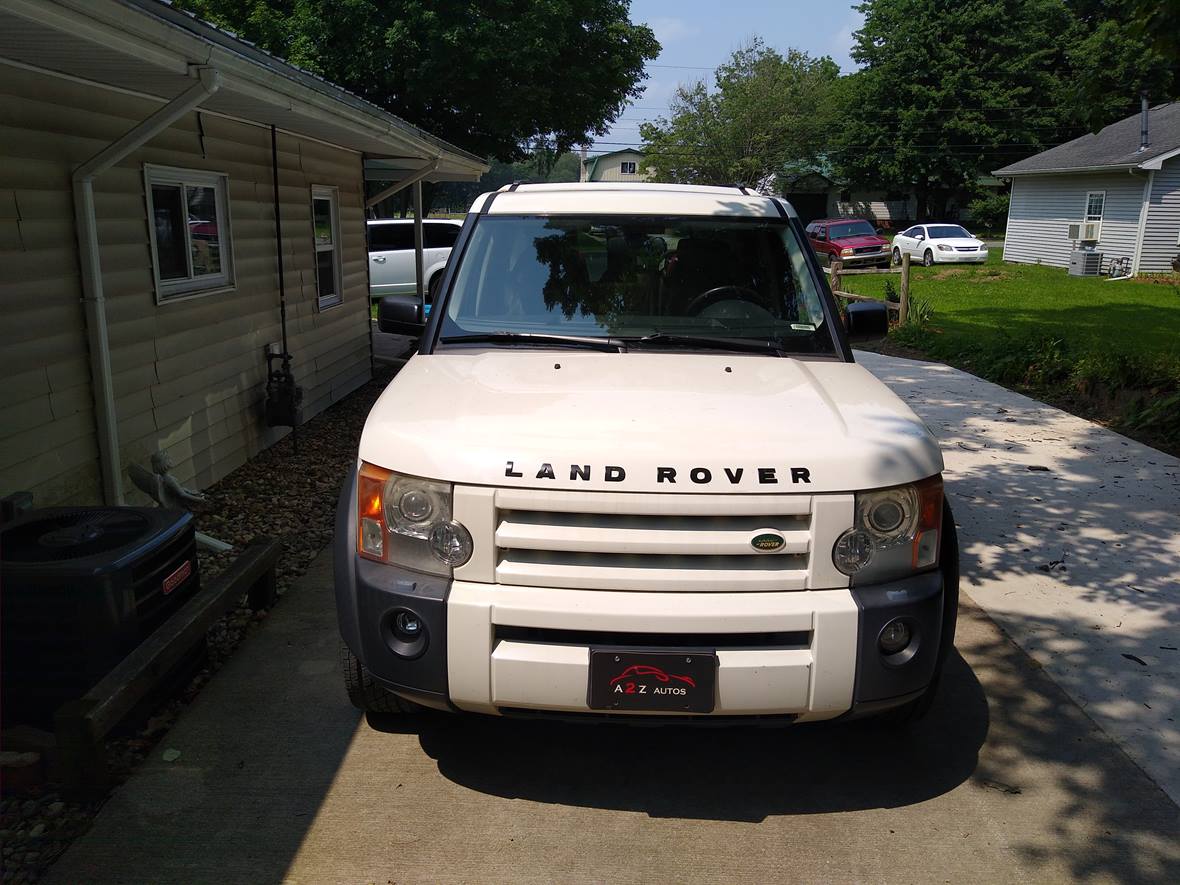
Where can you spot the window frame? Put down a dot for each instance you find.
(623, 170)
(1086, 216)
(332, 195)
(168, 291)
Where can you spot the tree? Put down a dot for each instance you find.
(493, 76)
(948, 92)
(765, 111)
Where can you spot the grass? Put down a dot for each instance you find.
(1109, 350)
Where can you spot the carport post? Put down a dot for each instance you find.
(418, 263)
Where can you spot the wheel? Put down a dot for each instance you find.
(948, 555)
(432, 287)
(927, 258)
(365, 692)
(896, 255)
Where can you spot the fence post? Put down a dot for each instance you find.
(836, 265)
(903, 304)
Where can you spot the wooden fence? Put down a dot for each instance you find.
(836, 270)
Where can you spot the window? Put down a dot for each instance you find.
(189, 231)
(438, 236)
(326, 236)
(627, 167)
(845, 196)
(393, 237)
(1095, 203)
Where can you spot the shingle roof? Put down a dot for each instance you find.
(1115, 146)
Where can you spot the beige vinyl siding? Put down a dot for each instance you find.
(610, 168)
(1043, 206)
(189, 375)
(871, 205)
(1161, 235)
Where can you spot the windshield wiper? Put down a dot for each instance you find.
(607, 345)
(740, 345)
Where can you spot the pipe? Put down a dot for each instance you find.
(1144, 143)
(90, 267)
(416, 176)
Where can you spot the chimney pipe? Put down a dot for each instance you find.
(1143, 140)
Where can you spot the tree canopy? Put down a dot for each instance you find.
(765, 110)
(497, 77)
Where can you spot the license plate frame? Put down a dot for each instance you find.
(652, 680)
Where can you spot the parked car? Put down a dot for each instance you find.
(391, 255)
(853, 240)
(938, 244)
(633, 469)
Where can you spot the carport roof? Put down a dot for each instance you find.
(1115, 147)
(148, 47)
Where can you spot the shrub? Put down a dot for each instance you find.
(990, 212)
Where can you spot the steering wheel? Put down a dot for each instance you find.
(724, 293)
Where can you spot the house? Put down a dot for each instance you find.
(624, 165)
(144, 269)
(1119, 186)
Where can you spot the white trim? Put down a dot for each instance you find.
(1142, 223)
(190, 286)
(1158, 162)
(331, 193)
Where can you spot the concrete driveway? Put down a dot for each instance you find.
(1008, 780)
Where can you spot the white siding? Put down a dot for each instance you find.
(1043, 207)
(1161, 236)
(609, 168)
(189, 375)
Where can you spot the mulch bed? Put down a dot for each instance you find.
(283, 493)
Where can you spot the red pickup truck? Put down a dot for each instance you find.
(853, 240)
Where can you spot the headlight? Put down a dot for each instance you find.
(895, 534)
(846, 252)
(983, 247)
(407, 521)
(943, 247)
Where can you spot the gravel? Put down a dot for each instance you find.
(287, 492)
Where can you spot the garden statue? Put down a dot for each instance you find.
(166, 490)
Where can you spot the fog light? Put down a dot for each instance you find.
(894, 637)
(407, 625)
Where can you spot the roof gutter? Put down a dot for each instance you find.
(93, 297)
(1118, 167)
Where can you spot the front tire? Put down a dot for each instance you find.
(896, 255)
(927, 258)
(365, 692)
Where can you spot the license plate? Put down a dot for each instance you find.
(680, 681)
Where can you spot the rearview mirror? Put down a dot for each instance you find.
(866, 320)
(401, 315)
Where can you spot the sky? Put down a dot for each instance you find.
(698, 35)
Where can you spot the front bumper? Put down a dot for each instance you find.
(882, 257)
(502, 649)
(960, 257)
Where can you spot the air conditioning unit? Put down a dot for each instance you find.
(1085, 263)
(1085, 232)
(82, 587)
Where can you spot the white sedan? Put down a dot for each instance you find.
(938, 244)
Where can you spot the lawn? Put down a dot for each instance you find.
(1109, 351)
(1091, 314)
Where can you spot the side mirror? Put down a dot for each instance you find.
(879, 231)
(401, 315)
(866, 320)
(920, 237)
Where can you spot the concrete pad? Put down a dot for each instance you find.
(1070, 536)
(280, 780)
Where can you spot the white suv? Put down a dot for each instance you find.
(633, 470)
(391, 254)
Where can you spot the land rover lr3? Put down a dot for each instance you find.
(632, 470)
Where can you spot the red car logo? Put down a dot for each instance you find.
(636, 670)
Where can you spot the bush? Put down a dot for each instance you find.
(990, 212)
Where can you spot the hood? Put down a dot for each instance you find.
(959, 241)
(619, 422)
(860, 240)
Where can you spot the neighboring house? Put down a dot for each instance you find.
(624, 165)
(139, 249)
(1124, 181)
(815, 194)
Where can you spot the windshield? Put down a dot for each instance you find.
(851, 229)
(947, 232)
(631, 277)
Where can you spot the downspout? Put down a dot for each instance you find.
(93, 299)
(1141, 231)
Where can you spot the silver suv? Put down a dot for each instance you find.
(391, 254)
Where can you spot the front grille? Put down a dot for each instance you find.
(711, 641)
(864, 250)
(673, 542)
(966, 249)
